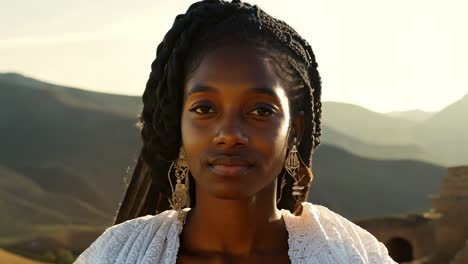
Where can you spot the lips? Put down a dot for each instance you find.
(229, 170)
(228, 165)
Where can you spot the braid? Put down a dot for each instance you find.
(160, 130)
(179, 52)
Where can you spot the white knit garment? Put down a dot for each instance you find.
(317, 236)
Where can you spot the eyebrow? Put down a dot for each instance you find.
(204, 88)
(199, 89)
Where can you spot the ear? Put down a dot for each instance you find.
(297, 128)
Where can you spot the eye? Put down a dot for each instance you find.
(202, 109)
(263, 111)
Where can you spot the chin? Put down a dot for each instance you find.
(231, 192)
(230, 196)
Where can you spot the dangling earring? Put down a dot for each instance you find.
(301, 174)
(180, 194)
(283, 183)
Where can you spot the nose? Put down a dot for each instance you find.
(230, 132)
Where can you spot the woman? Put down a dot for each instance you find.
(231, 116)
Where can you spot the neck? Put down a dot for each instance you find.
(236, 227)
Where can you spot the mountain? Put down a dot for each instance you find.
(8, 257)
(65, 160)
(446, 132)
(128, 106)
(372, 135)
(440, 139)
(65, 155)
(359, 187)
(412, 115)
(21, 195)
(332, 137)
(367, 126)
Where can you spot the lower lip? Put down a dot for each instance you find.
(228, 170)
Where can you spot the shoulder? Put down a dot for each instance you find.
(346, 241)
(129, 236)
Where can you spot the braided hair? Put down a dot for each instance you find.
(206, 25)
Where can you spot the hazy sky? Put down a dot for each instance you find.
(383, 55)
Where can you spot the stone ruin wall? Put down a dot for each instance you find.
(439, 236)
(451, 230)
(409, 237)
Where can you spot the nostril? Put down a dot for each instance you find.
(231, 139)
(230, 132)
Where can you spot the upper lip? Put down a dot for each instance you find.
(229, 160)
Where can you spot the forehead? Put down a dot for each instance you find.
(233, 66)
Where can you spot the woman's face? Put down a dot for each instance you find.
(235, 123)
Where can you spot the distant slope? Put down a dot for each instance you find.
(367, 126)
(358, 187)
(67, 150)
(331, 136)
(10, 258)
(447, 132)
(22, 196)
(442, 138)
(118, 104)
(412, 115)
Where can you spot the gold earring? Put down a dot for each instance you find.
(292, 166)
(180, 194)
(299, 171)
(283, 183)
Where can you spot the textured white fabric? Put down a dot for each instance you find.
(317, 236)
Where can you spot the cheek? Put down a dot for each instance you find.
(190, 132)
(194, 140)
(274, 143)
